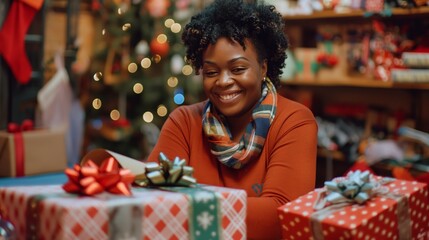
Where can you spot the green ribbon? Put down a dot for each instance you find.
(299, 66)
(329, 46)
(204, 212)
(166, 173)
(356, 188)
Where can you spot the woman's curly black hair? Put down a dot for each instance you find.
(237, 20)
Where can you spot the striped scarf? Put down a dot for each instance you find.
(237, 154)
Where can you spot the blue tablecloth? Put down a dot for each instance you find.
(42, 179)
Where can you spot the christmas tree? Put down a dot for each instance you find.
(139, 73)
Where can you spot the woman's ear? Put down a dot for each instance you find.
(264, 68)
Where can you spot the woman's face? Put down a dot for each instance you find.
(232, 77)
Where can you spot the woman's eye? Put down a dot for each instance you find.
(238, 70)
(210, 73)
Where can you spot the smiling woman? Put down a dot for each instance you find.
(244, 135)
(233, 81)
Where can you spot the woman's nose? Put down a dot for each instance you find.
(224, 79)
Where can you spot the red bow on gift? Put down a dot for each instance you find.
(91, 179)
(18, 139)
(26, 125)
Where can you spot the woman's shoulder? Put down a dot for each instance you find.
(292, 115)
(287, 107)
(189, 111)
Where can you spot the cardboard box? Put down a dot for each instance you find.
(155, 214)
(44, 151)
(306, 62)
(375, 219)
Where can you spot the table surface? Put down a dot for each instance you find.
(42, 179)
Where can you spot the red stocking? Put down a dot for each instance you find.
(12, 34)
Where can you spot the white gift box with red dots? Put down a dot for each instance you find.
(375, 219)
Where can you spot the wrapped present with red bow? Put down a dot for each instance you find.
(111, 196)
(27, 151)
(359, 206)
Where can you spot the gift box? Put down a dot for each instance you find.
(48, 212)
(306, 63)
(400, 210)
(32, 152)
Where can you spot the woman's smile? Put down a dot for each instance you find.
(228, 98)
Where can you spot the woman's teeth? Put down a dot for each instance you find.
(228, 96)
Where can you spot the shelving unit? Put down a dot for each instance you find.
(360, 82)
(415, 94)
(413, 98)
(330, 14)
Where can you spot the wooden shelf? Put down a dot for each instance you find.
(333, 154)
(364, 83)
(331, 14)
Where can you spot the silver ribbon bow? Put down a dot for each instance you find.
(357, 187)
(166, 173)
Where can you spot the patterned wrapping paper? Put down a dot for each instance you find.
(164, 214)
(376, 219)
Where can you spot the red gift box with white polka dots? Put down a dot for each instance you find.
(375, 219)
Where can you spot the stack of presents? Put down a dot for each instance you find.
(110, 196)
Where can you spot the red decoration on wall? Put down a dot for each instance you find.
(12, 35)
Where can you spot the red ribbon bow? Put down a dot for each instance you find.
(27, 125)
(17, 130)
(91, 179)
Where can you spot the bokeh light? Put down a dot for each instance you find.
(172, 81)
(168, 22)
(126, 26)
(148, 117)
(146, 62)
(138, 88)
(162, 110)
(132, 67)
(96, 103)
(176, 27)
(162, 38)
(115, 115)
(97, 76)
(157, 58)
(187, 70)
(179, 98)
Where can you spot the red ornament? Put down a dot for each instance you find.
(157, 8)
(161, 49)
(327, 60)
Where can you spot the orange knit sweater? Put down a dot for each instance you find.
(285, 169)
